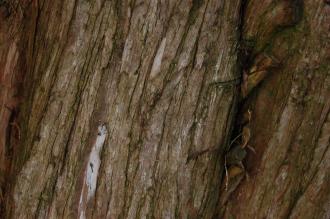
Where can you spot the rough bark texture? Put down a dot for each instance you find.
(125, 109)
(118, 95)
(290, 125)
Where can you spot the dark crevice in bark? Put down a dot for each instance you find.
(17, 35)
(160, 143)
(244, 50)
(244, 60)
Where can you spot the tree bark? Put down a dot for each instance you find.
(128, 109)
(119, 99)
(290, 122)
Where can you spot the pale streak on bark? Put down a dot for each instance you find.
(156, 66)
(92, 171)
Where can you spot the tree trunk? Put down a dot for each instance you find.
(128, 109)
